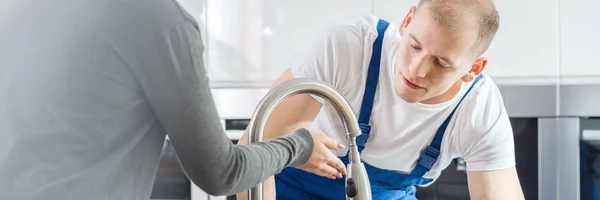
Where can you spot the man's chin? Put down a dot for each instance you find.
(408, 97)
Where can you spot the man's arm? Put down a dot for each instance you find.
(495, 185)
(288, 115)
(487, 142)
(174, 81)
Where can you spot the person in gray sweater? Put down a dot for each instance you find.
(89, 89)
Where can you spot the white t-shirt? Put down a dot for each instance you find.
(480, 130)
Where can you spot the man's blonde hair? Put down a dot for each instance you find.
(460, 14)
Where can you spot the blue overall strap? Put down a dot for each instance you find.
(371, 86)
(431, 153)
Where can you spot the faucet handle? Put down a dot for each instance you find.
(351, 190)
(358, 186)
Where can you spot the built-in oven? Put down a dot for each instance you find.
(576, 153)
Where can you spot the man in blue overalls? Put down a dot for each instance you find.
(421, 99)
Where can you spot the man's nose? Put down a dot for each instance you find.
(419, 67)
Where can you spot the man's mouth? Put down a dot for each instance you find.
(411, 85)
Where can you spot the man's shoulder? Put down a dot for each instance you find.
(484, 92)
(484, 137)
(348, 40)
(361, 19)
(354, 33)
(483, 107)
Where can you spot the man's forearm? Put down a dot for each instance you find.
(495, 185)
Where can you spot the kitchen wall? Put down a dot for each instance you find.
(251, 42)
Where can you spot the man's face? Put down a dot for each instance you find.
(433, 61)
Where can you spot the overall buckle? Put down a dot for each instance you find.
(428, 157)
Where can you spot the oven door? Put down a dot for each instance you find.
(574, 158)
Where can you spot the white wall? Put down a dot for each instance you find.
(539, 41)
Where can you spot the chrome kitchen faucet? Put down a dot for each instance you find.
(357, 181)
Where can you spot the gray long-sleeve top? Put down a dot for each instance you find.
(88, 90)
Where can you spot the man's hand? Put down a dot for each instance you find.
(323, 162)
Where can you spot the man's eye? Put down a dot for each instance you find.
(438, 63)
(415, 47)
(441, 64)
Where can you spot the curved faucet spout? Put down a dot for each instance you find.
(357, 182)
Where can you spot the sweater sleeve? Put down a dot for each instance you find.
(177, 88)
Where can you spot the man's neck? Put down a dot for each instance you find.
(446, 96)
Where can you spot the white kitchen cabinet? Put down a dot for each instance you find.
(579, 40)
(256, 40)
(525, 49)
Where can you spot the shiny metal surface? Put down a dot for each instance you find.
(579, 100)
(568, 158)
(530, 100)
(548, 140)
(274, 97)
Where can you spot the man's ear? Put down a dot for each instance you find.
(407, 19)
(476, 69)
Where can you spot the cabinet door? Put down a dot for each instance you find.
(256, 40)
(525, 47)
(579, 40)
